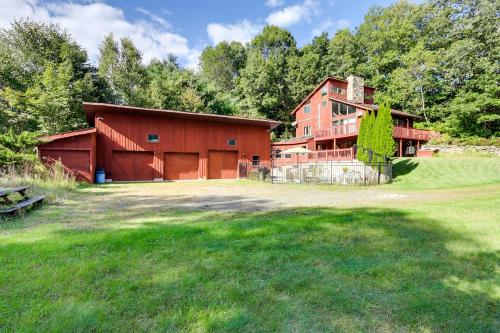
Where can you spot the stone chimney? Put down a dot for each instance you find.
(355, 89)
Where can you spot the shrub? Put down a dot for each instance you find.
(18, 150)
(52, 181)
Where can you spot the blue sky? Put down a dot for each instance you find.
(184, 28)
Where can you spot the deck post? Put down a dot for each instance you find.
(400, 147)
(334, 144)
(418, 145)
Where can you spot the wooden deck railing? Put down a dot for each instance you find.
(414, 134)
(317, 156)
(337, 131)
(352, 130)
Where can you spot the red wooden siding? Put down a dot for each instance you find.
(176, 135)
(182, 166)
(119, 144)
(76, 151)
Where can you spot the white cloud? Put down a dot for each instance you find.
(242, 31)
(294, 14)
(89, 23)
(275, 3)
(343, 23)
(155, 18)
(326, 26)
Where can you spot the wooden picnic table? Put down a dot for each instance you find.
(5, 192)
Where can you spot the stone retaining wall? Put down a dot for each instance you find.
(451, 149)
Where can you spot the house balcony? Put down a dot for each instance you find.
(413, 134)
(342, 131)
(351, 130)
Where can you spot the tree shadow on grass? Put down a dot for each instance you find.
(403, 167)
(315, 269)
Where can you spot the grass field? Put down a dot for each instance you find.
(80, 265)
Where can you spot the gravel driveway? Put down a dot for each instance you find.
(251, 196)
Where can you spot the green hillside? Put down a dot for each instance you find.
(445, 172)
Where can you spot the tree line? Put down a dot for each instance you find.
(438, 59)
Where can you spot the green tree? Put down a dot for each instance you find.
(343, 54)
(121, 68)
(17, 149)
(361, 140)
(44, 76)
(383, 143)
(221, 64)
(263, 87)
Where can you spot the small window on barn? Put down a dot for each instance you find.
(277, 153)
(231, 142)
(153, 138)
(288, 155)
(255, 160)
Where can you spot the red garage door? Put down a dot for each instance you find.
(222, 164)
(78, 161)
(181, 166)
(132, 165)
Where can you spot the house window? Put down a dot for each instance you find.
(153, 138)
(369, 96)
(255, 160)
(324, 104)
(231, 142)
(341, 109)
(336, 90)
(307, 108)
(307, 130)
(324, 90)
(288, 155)
(277, 153)
(398, 122)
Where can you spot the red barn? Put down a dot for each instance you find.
(139, 144)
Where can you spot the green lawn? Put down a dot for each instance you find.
(415, 267)
(445, 172)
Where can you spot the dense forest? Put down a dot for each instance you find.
(439, 59)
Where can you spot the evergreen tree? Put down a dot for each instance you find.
(360, 143)
(383, 145)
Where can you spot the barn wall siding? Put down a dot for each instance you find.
(76, 153)
(128, 132)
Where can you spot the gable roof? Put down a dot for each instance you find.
(328, 78)
(91, 108)
(49, 138)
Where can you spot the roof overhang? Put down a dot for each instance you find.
(91, 108)
(375, 107)
(50, 138)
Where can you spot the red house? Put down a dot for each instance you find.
(133, 144)
(327, 121)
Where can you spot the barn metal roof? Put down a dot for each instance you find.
(91, 108)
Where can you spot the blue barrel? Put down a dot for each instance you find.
(100, 176)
